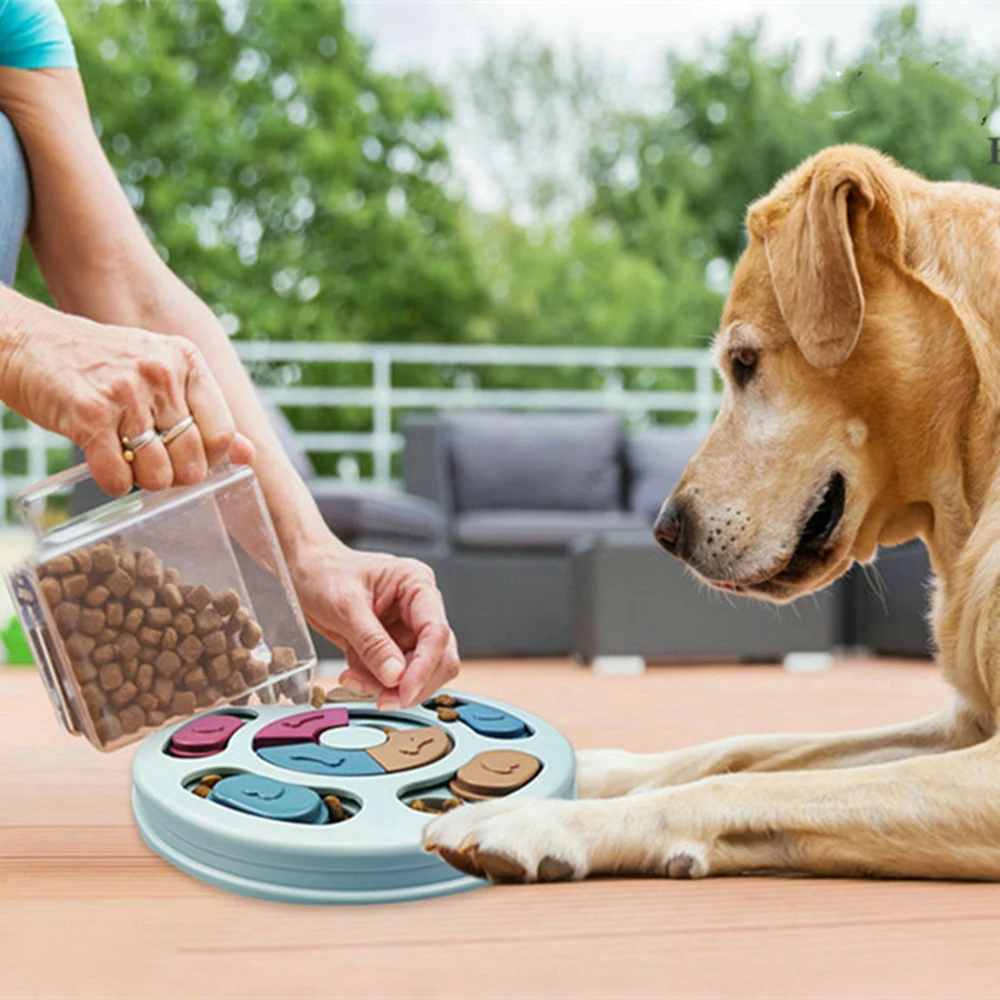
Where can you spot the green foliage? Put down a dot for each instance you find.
(305, 195)
(293, 187)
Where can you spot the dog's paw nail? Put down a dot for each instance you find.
(460, 860)
(551, 869)
(680, 866)
(501, 867)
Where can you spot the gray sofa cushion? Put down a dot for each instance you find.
(538, 529)
(514, 461)
(656, 459)
(355, 514)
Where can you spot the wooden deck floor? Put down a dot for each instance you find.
(87, 910)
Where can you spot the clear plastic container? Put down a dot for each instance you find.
(160, 605)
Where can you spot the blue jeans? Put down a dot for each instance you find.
(15, 199)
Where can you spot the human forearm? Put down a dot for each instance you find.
(177, 310)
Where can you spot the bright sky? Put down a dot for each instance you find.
(440, 36)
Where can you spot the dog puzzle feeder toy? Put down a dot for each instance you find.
(329, 805)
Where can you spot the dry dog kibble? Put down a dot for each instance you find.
(133, 620)
(207, 697)
(127, 646)
(172, 597)
(119, 583)
(144, 677)
(234, 684)
(93, 697)
(60, 566)
(283, 659)
(96, 596)
(80, 646)
(207, 620)
(103, 558)
(84, 670)
(227, 603)
(214, 643)
(196, 679)
(218, 668)
(110, 677)
(164, 691)
(211, 780)
(149, 568)
(251, 634)
(447, 715)
(444, 701)
(109, 728)
(255, 671)
(150, 636)
(67, 617)
(168, 663)
(336, 808)
(92, 621)
(203, 791)
(183, 623)
(123, 695)
(74, 587)
(102, 654)
(318, 699)
(199, 598)
(183, 703)
(132, 719)
(52, 590)
(236, 622)
(190, 649)
(144, 645)
(147, 701)
(142, 596)
(159, 617)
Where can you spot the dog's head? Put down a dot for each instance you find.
(777, 500)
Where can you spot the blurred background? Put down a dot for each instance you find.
(411, 213)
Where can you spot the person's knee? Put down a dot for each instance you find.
(15, 199)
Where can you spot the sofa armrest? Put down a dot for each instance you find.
(426, 471)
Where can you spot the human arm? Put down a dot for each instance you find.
(98, 263)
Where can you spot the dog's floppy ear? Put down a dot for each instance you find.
(812, 256)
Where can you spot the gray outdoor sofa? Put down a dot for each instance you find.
(549, 548)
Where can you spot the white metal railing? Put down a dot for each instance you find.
(277, 370)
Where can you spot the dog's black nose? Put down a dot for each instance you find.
(669, 526)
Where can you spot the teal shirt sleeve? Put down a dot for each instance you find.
(34, 35)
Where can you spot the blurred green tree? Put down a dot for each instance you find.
(297, 190)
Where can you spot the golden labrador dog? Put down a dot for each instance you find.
(860, 348)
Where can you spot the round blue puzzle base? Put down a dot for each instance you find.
(262, 825)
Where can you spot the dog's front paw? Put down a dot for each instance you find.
(518, 841)
(607, 774)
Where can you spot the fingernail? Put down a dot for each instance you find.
(353, 685)
(390, 671)
(389, 703)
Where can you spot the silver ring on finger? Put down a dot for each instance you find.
(177, 430)
(132, 446)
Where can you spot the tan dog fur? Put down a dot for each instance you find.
(872, 299)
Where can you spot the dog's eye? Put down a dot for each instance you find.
(744, 364)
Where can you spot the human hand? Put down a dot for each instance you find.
(96, 384)
(386, 613)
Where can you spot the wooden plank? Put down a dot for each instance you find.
(90, 912)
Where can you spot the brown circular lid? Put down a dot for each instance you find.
(496, 772)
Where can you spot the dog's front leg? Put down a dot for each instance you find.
(927, 817)
(609, 773)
